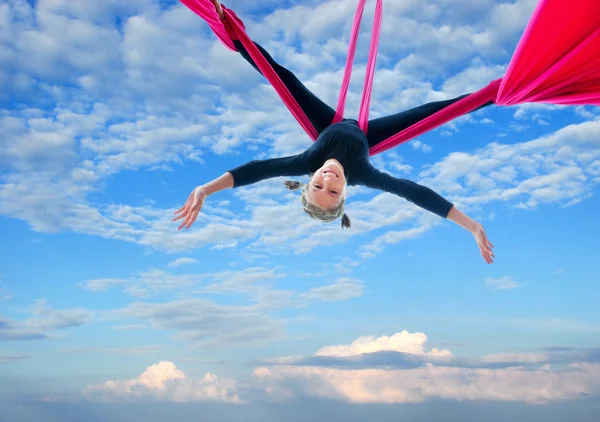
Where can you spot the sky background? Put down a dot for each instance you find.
(112, 112)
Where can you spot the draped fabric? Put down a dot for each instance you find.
(557, 61)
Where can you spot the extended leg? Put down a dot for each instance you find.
(319, 113)
(384, 127)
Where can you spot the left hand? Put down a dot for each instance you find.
(484, 244)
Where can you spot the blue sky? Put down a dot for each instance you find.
(112, 113)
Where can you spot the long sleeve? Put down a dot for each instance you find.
(419, 195)
(257, 170)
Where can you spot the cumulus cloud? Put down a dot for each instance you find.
(418, 385)
(526, 377)
(164, 381)
(413, 343)
(422, 374)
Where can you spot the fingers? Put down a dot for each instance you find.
(185, 210)
(180, 217)
(486, 248)
(487, 256)
(194, 216)
(186, 223)
(182, 225)
(190, 215)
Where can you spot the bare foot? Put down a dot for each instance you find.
(219, 8)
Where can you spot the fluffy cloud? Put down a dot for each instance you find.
(164, 381)
(450, 379)
(549, 375)
(413, 343)
(418, 385)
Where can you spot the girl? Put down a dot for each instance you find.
(339, 157)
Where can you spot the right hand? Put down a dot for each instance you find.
(191, 208)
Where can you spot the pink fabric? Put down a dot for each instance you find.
(557, 61)
(558, 57)
(457, 109)
(206, 10)
(363, 117)
(268, 72)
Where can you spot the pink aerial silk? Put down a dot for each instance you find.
(557, 61)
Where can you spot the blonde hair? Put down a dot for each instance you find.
(318, 213)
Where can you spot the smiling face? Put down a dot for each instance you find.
(327, 187)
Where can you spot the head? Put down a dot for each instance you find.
(324, 197)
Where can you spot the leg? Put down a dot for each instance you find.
(319, 113)
(382, 128)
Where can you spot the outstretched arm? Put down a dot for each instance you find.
(476, 229)
(429, 200)
(190, 210)
(246, 174)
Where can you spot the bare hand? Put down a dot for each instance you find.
(192, 207)
(484, 244)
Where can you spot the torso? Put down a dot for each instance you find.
(347, 143)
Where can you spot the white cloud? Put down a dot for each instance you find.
(209, 325)
(259, 284)
(43, 323)
(419, 385)
(503, 283)
(342, 289)
(134, 350)
(128, 327)
(164, 381)
(12, 358)
(218, 322)
(514, 357)
(442, 379)
(416, 144)
(413, 343)
(182, 261)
